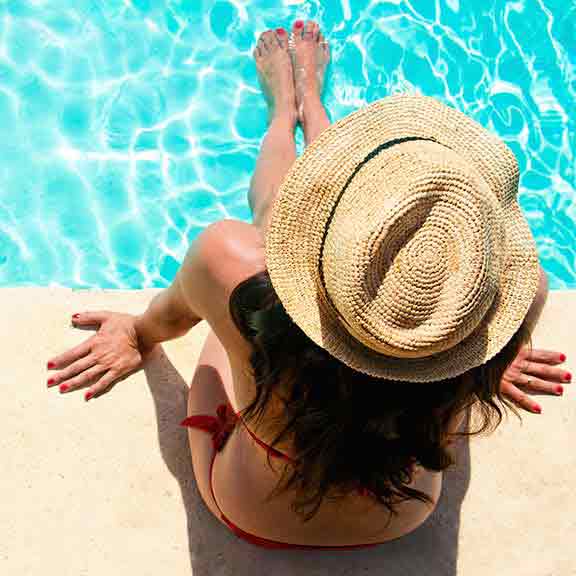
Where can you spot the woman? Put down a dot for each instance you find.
(345, 348)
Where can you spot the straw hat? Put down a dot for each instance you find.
(397, 244)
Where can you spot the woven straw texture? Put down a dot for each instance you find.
(407, 261)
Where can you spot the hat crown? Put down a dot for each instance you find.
(413, 253)
(328, 276)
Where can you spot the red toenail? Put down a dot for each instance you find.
(299, 23)
(567, 376)
(280, 31)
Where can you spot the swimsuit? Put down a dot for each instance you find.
(220, 427)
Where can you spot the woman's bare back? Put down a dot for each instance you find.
(242, 478)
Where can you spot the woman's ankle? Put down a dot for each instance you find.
(286, 118)
(313, 117)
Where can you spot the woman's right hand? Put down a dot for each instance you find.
(537, 371)
(104, 359)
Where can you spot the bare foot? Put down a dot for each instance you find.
(275, 73)
(311, 56)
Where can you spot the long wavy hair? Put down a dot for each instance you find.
(350, 430)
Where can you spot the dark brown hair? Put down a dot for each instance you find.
(348, 429)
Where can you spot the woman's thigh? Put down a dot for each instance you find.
(207, 391)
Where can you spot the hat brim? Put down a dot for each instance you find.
(309, 191)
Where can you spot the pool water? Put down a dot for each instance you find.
(130, 125)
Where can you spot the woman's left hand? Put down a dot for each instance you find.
(537, 371)
(104, 359)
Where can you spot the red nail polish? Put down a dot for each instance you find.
(537, 409)
(280, 31)
(51, 365)
(75, 315)
(64, 387)
(562, 357)
(51, 381)
(88, 395)
(567, 377)
(559, 390)
(299, 23)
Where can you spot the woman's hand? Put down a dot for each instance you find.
(536, 370)
(104, 359)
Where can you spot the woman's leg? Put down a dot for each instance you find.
(311, 58)
(278, 150)
(286, 89)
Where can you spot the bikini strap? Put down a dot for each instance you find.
(271, 450)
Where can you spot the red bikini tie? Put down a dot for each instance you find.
(219, 426)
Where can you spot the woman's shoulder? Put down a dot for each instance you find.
(234, 252)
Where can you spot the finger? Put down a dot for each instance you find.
(104, 384)
(90, 318)
(538, 385)
(256, 52)
(545, 371)
(71, 371)
(63, 360)
(83, 379)
(522, 399)
(547, 356)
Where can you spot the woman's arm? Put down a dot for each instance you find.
(167, 317)
(535, 310)
(178, 308)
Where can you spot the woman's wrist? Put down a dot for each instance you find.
(160, 323)
(143, 333)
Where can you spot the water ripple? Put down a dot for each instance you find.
(133, 124)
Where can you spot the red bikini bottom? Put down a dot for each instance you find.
(220, 427)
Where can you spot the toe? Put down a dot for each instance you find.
(323, 45)
(309, 30)
(282, 37)
(261, 46)
(298, 29)
(316, 34)
(270, 39)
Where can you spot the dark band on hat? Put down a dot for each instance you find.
(369, 157)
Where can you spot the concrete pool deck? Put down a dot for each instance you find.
(106, 487)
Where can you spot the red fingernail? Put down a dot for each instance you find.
(51, 381)
(567, 377)
(559, 390)
(64, 387)
(537, 409)
(88, 395)
(299, 23)
(562, 357)
(75, 315)
(51, 365)
(280, 31)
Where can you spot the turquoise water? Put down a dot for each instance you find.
(130, 125)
